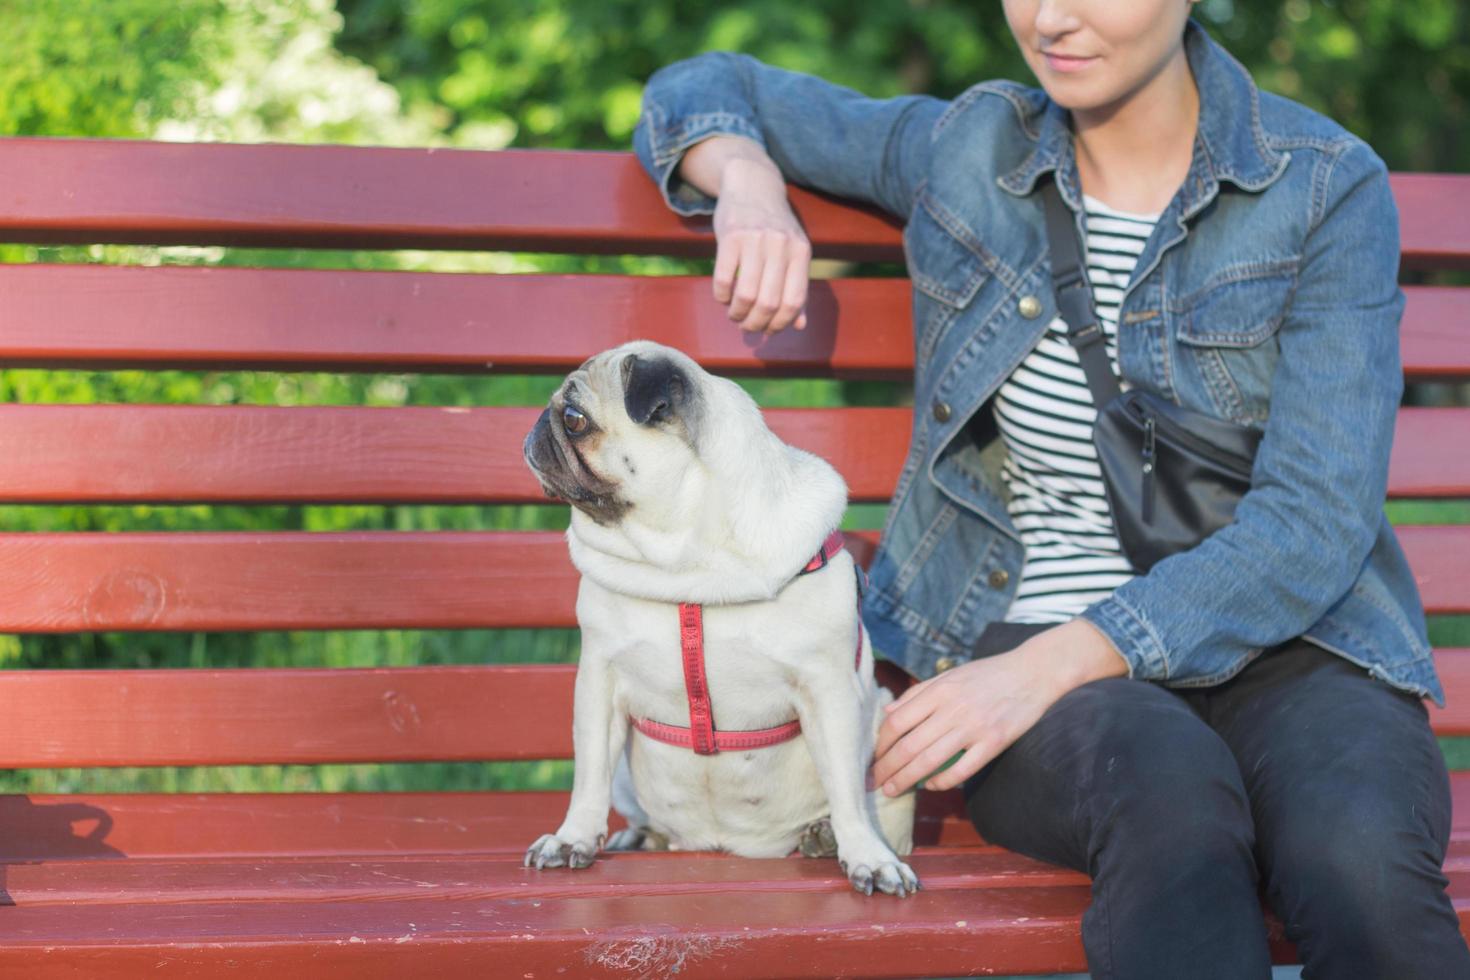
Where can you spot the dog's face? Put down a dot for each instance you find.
(621, 430)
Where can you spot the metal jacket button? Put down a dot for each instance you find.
(945, 663)
(941, 411)
(999, 578)
(1030, 307)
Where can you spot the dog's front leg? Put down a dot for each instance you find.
(831, 721)
(599, 731)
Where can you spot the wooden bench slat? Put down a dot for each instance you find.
(270, 454)
(937, 932)
(295, 320)
(491, 877)
(186, 826)
(1434, 219)
(60, 582)
(1418, 464)
(296, 715)
(1440, 559)
(705, 935)
(67, 582)
(85, 190)
(93, 190)
(1453, 666)
(192, 826)
(60, 719)
(182, 826)
(1434, 338)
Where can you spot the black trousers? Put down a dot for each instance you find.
(1301, 773)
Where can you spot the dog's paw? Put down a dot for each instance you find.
(817, 840)
(637, 839)
(550, 851)
(890, 877)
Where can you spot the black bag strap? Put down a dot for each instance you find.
(1074, 297)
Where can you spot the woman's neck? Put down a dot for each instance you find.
(1134, 154)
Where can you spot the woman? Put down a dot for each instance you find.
(1249, 711)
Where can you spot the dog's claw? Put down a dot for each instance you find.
(897, 880)
(550, 851)
(890, 877)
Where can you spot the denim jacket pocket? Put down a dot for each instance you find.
(1227, 336)
(946, 274)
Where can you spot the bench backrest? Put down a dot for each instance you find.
(213, 318)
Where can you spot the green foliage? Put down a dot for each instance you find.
(1396, 72)
(440, 777)
(568, 72)
(102, 67)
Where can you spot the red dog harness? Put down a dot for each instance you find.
(701, 735)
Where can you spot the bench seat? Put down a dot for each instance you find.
(363, 885)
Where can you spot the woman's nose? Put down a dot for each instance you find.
(1055, 19)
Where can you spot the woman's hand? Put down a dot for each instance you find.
(981, 707)
(762, 254)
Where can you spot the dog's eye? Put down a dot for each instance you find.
(573, 420)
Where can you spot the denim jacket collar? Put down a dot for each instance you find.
(1230, 143)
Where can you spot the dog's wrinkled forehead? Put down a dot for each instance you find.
(654, 384)
(587, 389)
(592, 374)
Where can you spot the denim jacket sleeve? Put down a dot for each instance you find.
(821, 135)
(1315, 506)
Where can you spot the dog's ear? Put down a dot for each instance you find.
(654, 389)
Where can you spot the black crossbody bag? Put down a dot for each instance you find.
(1173, 476)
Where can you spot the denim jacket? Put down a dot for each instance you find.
(1268, 295)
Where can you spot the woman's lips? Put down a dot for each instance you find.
(1066, 63)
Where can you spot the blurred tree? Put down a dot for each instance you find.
(102, 67)
(240, 70)
(569, 72)
(1396, 72)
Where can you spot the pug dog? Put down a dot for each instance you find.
(681, 494)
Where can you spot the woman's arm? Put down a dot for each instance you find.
(762, 256)
(819, 134)
(705, 163)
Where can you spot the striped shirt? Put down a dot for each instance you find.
(1045, 413)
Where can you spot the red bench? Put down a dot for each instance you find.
(367, 885)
